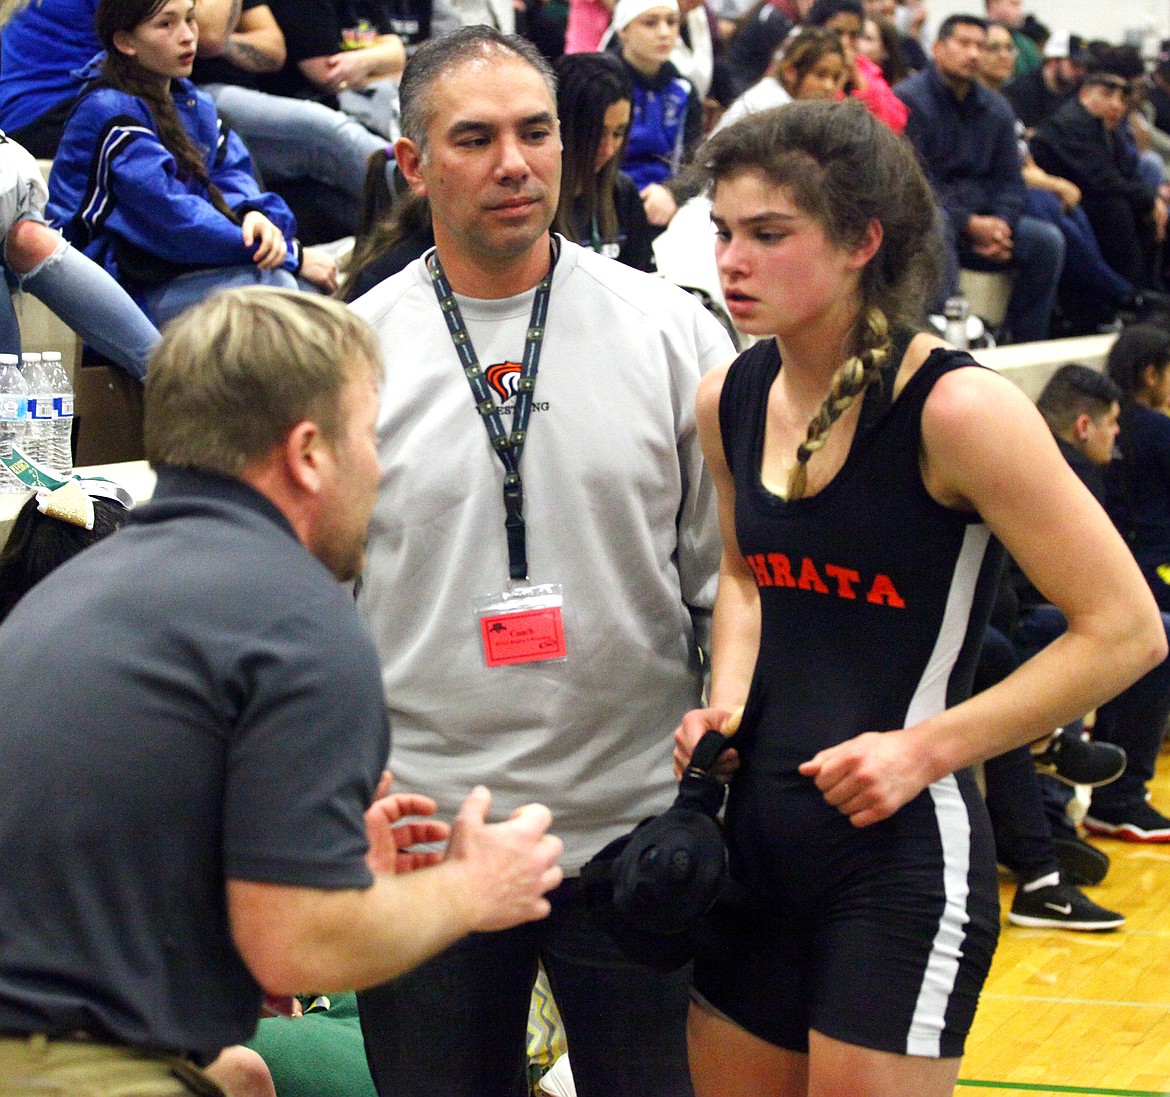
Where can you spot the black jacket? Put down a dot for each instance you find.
(1075, 145)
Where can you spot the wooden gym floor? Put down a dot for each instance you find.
(1083, 1013)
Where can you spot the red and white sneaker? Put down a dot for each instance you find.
(1141, 823)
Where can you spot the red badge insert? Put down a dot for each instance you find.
(529, 636)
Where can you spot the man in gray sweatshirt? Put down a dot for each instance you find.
(536, 587)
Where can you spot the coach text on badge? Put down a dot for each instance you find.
(522, 625)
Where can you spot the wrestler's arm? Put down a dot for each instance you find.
(986, 448)
(735, 624)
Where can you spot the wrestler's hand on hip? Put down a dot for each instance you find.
(867, 778)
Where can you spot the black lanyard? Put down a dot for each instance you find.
(508, 447)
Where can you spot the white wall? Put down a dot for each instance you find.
(1089, 18)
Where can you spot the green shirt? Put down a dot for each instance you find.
(1028, 55)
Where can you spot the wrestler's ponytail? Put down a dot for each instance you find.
(849, 382)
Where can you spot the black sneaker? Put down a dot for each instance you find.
(1080, 863)
(1139, 823)
(1061, 906)
(1078, 761)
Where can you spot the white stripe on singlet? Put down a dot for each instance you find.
(928, 1022)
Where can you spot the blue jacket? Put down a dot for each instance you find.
(665, 127)
(966, 147)
(115, 191)
(42, 46)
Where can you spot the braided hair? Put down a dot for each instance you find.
(849, 382)
(124, 73)
(845, 169)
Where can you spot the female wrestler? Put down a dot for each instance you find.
(865, 473)
(149, 183)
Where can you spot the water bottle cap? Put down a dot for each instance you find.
(30, 356)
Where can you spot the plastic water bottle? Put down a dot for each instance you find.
(956, 311)
(60, 454)
(13, 419)
(39, 439)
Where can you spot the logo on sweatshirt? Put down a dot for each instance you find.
(504, 379)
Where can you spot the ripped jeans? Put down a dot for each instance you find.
(88, 299)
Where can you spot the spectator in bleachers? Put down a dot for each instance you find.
(751, 47)
(44, 43)
(1135, 131)
(39, 260)
(882, 44)
(294, 143)
(694, 52)
(811, 65)
(350, 55)
(599, 206)
(908, 45)
(667, 123)
(863, 78)
(697, 54)
(1011, 14)
(1035, 94)
(150, 185)
(290, 140)
(394, 228)
(1081, 142)
(1091, 292)
(1087, 413)
(966, 141)
(587, 23)
(1138, 484)
(1160, 88)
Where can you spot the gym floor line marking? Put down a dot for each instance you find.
(1073, 1001)
(1032, 1087)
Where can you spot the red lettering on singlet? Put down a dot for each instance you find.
(774, 569)
(781, 569)
(809, 579)
(760, 567)
(845, 577)
(883, 591)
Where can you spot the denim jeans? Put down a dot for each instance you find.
(1085, 268)
(298, 138)
(173, 297)
(456, 1026)
(85, 296)
(376, 107)
(1037, 260)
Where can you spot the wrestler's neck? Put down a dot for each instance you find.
(492, 277)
